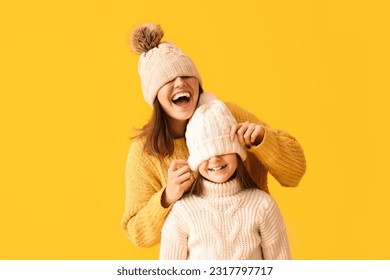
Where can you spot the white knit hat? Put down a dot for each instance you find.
(208, 134)
(159, 62)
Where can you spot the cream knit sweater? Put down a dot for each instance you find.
(146, 176)
(225, 223)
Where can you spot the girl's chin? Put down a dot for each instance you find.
(218, 179)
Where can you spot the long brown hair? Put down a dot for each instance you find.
(243, 177)
(158, 138)
(159, 141)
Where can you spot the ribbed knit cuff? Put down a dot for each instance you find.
(160, 212)
(158, 197)
(265, 148)
(279, 155)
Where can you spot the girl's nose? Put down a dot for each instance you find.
(179, 82)
(214, 158)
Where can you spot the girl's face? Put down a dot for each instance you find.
(220, 168)
(179, 97)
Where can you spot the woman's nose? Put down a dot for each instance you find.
(179, 82)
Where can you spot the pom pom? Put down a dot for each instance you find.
(146, 37)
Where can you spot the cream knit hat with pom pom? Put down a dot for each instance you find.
(208, 134)
(159, 62)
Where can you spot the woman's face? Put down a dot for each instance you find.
(179, 97)
(219, 169)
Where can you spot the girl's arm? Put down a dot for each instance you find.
(274, 241)
(174, 237)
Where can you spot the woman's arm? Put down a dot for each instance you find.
(278, 152)
(144, 215)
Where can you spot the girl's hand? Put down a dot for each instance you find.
(179, 180)
(247, 133)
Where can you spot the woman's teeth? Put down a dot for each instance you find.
(182, 96)
(217, 168)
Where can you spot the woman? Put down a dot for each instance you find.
(157, 173)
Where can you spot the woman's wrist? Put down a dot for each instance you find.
(260, 137)
(165, 201)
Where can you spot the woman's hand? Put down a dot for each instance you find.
(248, 133)
(179, 180)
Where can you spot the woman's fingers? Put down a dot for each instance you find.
(233, 130)
(257, 135)
(176, 164)
(182, 175)
(243, 132)
(179, 180)
(247, 133)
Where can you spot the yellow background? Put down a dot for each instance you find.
(70, 98)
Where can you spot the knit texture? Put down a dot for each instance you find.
(161, 65)
(225, 223)
(159, 62)
(146, 176)
(208, 134)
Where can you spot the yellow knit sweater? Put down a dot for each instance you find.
(146, 176)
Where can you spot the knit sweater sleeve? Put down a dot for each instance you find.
(144, 215)
(274, 241)
(279, 153)
(174, 235)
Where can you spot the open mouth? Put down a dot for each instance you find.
(181, 98)
(214, 169)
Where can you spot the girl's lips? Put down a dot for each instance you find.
(217, 168)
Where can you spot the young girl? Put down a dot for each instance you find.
(225, 215)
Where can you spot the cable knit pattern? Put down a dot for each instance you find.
(146, 176)
(225, 223)
(208, 134)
